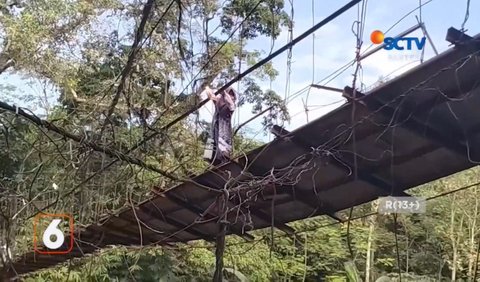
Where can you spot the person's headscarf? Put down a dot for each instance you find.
(232, 92)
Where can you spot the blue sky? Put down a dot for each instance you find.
(334, 46)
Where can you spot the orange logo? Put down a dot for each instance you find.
(377, 37)
(55, 232)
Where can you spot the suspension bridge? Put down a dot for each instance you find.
(413, 129)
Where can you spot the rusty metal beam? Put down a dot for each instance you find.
(108, 236)
(370, 178)
(124, 229)
(337, 161)
(194, 209)
(316, 203)
(268, 218)
(171, 221)
(326, 88)
(414, 125)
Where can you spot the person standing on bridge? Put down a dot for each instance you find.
(222, 124)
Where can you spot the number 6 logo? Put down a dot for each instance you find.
(53, 238)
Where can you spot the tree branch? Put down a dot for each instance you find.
(6, 66)
(80, 139)
(133, 53)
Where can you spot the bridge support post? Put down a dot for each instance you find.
(220, 239)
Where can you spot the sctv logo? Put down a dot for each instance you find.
(377, 37)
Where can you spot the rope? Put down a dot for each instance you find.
(254, 67)
(136, 46)
(360, 23)
(289, 54)
(423, 28)
(271, 56)
(112, 152)
(221, 47)
(272, 45)
(315, 228)
(420, 10)
(306, 107)
(467, 15)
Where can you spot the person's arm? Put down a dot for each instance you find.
(210, 94)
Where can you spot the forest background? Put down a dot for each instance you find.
(68, 62)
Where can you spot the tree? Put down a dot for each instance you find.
(62, 44)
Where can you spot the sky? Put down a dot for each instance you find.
(333, 46)
(328, 49)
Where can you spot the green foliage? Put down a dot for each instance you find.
(325, 251)
(267, 19)
(69, 45)
(352, 272)
(149, 264)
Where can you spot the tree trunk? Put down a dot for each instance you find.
(407, 255)
(220, 240)
(5, 62)
(440, 268)
(453, 239)
(370, 251)
(454, 264)
(471, 254)
(407, 245)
